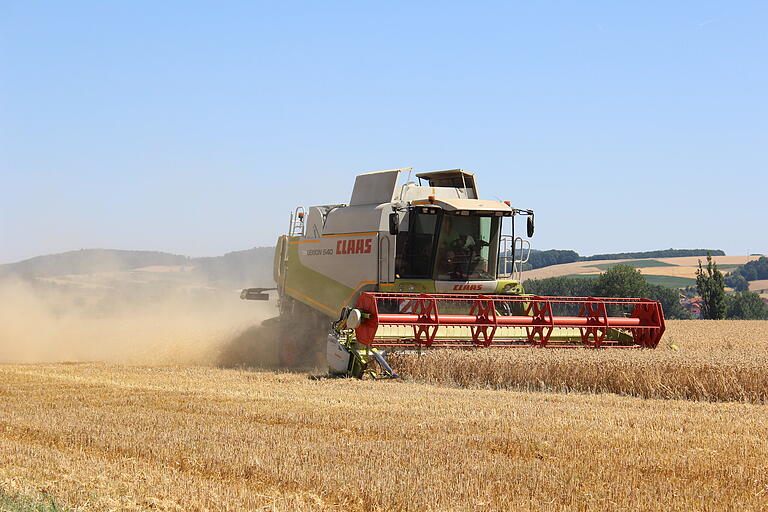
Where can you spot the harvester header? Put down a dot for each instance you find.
(484, 325)
(423, 264)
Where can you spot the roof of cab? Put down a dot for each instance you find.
(478, 205)
(444, 174)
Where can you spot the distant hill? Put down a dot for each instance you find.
(251, 267)
(89, 261)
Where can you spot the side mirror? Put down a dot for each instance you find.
(394, 223)
(530, 226)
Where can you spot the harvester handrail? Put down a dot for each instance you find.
(517, 264)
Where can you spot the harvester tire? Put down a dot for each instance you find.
(303, 335)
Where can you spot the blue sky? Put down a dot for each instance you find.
(195, 127)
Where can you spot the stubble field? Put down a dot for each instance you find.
(110, 437)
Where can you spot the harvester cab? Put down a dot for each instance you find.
(426, 264)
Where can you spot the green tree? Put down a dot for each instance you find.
(750, 271)
(670, 301)
(737, 282)
(747, 306)
(622, 281)
(711, 288)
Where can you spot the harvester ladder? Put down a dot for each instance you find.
(296, 227)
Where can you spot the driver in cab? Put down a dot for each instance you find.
(461, 258)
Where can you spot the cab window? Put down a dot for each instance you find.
(415, 248)
(467, 248)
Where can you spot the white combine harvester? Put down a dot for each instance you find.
(426, 265)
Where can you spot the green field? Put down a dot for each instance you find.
(668, 281)
(635, 264)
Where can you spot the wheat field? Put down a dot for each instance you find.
(713, 360)
(684, 266)
(112, 437)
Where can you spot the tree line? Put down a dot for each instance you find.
(751, 271)
(663, 253)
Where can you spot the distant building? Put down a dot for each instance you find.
(693, 306)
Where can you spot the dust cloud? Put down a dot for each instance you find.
(294, 344)
(42, 322)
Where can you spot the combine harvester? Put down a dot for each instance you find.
(427, 265)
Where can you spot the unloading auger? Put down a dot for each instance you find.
(427, 265)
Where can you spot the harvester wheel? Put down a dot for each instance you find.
(303, 335)
(290, 351)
